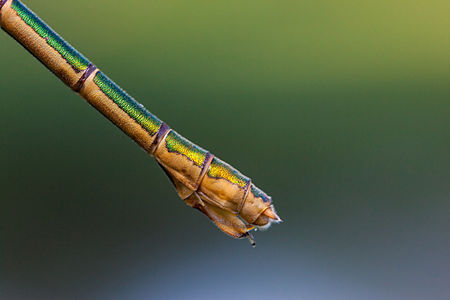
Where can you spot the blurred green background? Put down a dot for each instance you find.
(340, 110)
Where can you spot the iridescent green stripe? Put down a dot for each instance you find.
(133, 108)
(73, 57)
(178, 144)
(259, 194)
(221, 170)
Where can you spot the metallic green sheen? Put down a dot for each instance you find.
(178, 144)
(126, 103)
(259, 194)
(73, 57)
(221, 170)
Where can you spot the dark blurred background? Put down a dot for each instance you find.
(340, 110)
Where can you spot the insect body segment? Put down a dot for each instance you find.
(203, 181)
(134, 109)
(181, 158)
(36, 36)
(73, 57)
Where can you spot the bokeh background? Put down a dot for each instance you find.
(340, 110)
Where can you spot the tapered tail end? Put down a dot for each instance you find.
(270, 213)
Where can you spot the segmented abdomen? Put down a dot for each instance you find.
(193, 169)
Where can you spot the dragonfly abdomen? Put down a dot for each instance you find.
(202, 180)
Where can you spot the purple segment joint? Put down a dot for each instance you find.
(205, 166)
(163, 130)
(208, 158)
(244, 198)
(2, 2)
(91, 68)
